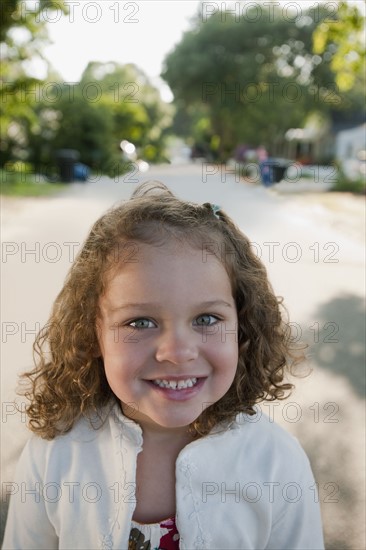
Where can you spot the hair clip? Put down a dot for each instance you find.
(215, 209)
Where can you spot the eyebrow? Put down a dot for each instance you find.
(145, 305)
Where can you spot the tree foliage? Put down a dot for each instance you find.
(250, 78)
(110, 103)
(18, 13)
(22, 37)
(343, 39)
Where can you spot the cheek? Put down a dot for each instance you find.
(224, 341)
(124, 359)
(223, 355)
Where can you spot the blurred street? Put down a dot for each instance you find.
(313, 247)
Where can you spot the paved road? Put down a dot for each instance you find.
(313, 248)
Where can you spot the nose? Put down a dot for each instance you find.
(176, 346)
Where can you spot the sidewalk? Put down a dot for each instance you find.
(343, 212)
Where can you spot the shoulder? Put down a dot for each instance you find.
(268, 443)
(39, 451)
(106, 429)
(258, 431)
(265, 433)
(254, 442)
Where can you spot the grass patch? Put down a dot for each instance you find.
(344, 185)
(13, 184)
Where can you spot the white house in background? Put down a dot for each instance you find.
(350, 151)
(311, 144)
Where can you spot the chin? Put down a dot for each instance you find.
(171, 423)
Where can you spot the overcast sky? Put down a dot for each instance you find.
(126, 32)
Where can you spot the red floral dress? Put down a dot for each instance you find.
(154, 536)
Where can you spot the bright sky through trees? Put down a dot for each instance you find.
(140, 32)
(126, 32)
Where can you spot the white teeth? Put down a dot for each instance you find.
(172, 384)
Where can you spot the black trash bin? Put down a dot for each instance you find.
(273, 170)
(66, 160)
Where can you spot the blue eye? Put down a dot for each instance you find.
(141, 323)
(206, 320)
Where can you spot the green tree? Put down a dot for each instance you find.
(111, 103)
(251, 81)
(22, 36)
(139, 114)
(343, 39)
(17, 13)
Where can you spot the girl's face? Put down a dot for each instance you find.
(168, 335)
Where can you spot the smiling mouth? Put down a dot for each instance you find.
(175, 384)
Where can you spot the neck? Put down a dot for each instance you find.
(167, 437)
(173, 438)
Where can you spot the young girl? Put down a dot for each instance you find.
(162, 341)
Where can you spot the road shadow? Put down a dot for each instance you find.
(340, 331)
(337, 468)
(333, 440)
(3, 515)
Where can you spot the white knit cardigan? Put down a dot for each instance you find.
(248, 487)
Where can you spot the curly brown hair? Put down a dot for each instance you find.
(69, 380)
